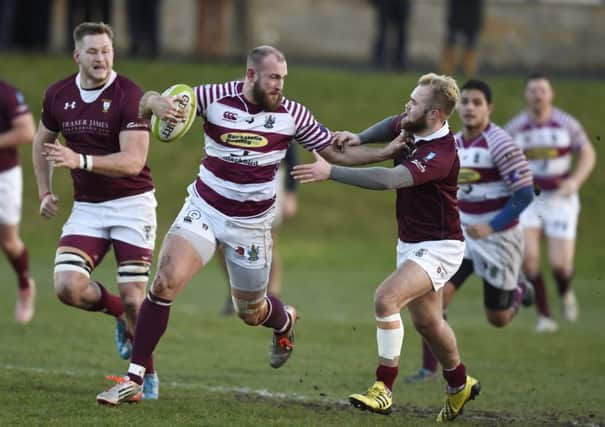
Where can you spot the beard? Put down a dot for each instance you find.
(263, 99)
(415, 126)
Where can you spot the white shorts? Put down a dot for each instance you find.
(439, 258)
(497, 258)
(555, 214)
(11, 191)
(129, 219)
(250, 238)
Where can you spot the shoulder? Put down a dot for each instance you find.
(564, 118)
(495, 135)
(61, 85)
(516, 122)
(126, 85)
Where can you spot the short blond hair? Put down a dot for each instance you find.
(446, 93)
(91, 29)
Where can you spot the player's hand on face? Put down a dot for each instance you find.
(49, 206)
(312, 172)
(568, 187)
(61, 155)
(479, 231)
(342, 138)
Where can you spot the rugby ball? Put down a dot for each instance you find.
(166, 131)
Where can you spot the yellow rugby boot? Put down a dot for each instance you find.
(377, 399)
(454, 403)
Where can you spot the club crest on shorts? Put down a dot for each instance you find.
(147, 231)
(253, 253)
(420, 252)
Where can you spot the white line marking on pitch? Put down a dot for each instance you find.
(220, 389)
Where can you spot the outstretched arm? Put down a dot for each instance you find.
(362, 155)
(373, 178)
(381, 131)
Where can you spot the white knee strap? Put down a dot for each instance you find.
(389, 340)
(72, 261)
(133, 272)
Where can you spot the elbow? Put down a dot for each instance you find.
(134, 169)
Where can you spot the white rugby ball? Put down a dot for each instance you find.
(166, 131)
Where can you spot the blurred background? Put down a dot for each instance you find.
(555, 35)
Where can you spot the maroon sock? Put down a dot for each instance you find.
(540, 290)
(108, 303)
(456, 377)
(149, 367)
(387, 375)
(563, 282)
(277, 317)
(21, 266)
(151, 325)
(428, 359)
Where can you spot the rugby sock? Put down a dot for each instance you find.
(151, 325)
(429, 361)
(277, 317)
(387, 375)
(20, 264)
(149, 366)
(541, 301)
(108, 303)
(563, 282)
(455, 378)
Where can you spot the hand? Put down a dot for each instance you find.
(312, 172)
(568, 187)
(343, 137)
(168, 108)
(289, 204)
(49, 205)
(61, 155)
(404, 142)
(479, 231)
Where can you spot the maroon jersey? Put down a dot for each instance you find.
(429, 210)
(91, 122)
(12, 104)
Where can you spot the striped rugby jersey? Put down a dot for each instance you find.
(492, 167)
(548, 146)
(244, 146)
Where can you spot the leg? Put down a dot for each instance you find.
(73, 265)
(276, 270)
(248, 290)
(179, 261)
(228, 309)
(531, 267)
(500, 305)
(404, 285)
(561, 256)
(461, 388)
(17, 254)
(429, 362)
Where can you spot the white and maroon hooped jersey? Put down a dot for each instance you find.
(244, 145)
(492, 167)
(548, 146)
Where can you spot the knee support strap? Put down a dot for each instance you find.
(133, 272)
(72, 261)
